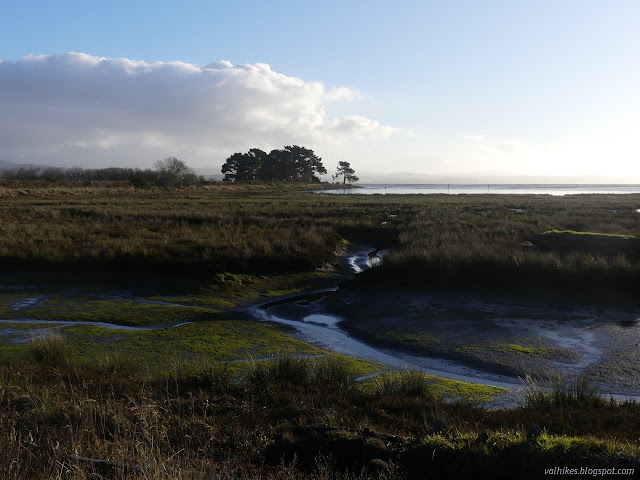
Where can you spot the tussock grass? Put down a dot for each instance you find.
(409, 384)
(50, 348)
(199, 374)
(290, 368)
(558, 391)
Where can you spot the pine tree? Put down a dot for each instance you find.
(346, 172)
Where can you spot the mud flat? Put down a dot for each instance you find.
(501, 336)
(491, 340)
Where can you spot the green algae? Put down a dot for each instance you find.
(65, 308)
(516, 349)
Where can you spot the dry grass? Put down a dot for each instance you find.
(78, 421)
(437, 239)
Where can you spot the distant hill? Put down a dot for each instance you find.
(9, 165)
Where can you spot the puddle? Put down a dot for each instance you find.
(365, 258)
(28, 302)
(327, 320)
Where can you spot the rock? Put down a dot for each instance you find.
(534, 432)
(417, 462)
(377, 466)
(438, 426)
(376, 448)
(346, 452)
(483, 436)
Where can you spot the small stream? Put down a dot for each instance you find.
(316, 326)
(328, 336)
(323, 331)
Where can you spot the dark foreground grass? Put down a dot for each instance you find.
(287, 418)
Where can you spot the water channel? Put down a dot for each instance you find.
(490, 341)
(571, 340)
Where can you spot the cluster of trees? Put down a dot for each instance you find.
(166, 172)
(291, 164)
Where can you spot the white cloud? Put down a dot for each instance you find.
(78, 109)
(361, 127)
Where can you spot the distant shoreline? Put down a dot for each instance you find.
(489, 188)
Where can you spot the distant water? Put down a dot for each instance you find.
(498, 189)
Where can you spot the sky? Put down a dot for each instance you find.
(429, 87)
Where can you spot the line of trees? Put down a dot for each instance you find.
(166, 172)
(290, 164)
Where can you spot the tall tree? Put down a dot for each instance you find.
(304, 163)
(347, 173)
(242, 167)
(171, 170)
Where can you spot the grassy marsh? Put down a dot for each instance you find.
(168, 403)
(438, 240)
(57, 307)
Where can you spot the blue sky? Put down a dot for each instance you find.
(494, 87)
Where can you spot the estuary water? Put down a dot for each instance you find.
(496, 189)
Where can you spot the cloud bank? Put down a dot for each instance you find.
(77, 109)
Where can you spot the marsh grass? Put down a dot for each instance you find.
(117, 362)
(50, 348)
(193, 422)
(409, 384)
(289, 367)
(558, 391)
(438, 240)
(199, 374)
